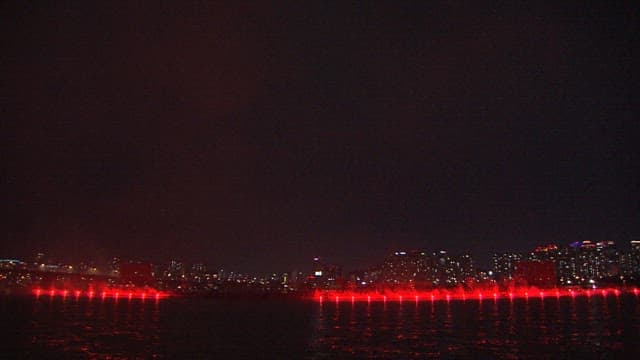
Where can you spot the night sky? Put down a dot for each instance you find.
(256, 136)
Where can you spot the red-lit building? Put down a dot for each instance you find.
(541, 274)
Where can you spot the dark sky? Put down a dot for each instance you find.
(256, 136)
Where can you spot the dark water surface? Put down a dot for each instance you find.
(54, 327)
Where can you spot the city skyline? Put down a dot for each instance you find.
(265, 134)
(501, 260)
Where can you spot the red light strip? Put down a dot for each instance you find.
(111, 293)
(479, 296)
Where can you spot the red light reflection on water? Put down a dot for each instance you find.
(448, 295)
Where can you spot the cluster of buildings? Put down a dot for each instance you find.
(198, 278)
(580, 264)
(417, 269)
(583, 263)
(174, 276)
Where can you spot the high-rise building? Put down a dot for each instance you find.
(504, 265)
(631, 267)
(589, 263)
(420, 269)
(405, 268)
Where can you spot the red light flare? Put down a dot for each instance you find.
(77, 293)
(636, 292)
(448, 297)
(417, 298)
(604, 292)
(400, 298)
(511, 296)
(495, 296)
(52, 292)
